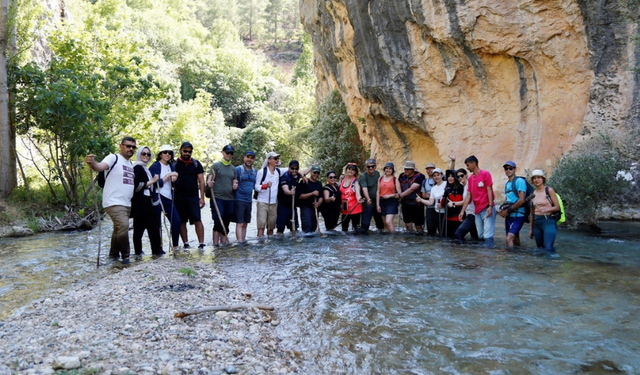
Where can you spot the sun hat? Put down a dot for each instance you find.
(538, 173)
(430, 165)
(165, 148)
(272, 155)
(409, 165)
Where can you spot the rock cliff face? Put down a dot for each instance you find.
(518, 80)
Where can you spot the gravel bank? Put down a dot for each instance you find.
(125, 324)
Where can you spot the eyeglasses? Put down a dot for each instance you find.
(331, 177)
(166, 152)
(294, 169)
(186, 151)
(508, 168)
(229, 152)
(461, 176)
(370, 166)
(130, 146)
(145, 154)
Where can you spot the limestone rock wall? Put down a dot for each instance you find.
(521, 80)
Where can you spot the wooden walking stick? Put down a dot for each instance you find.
(315, 200)
(215, 205)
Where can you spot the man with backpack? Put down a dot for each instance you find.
(266, 188)
(246, 182)
(189, 194)
(117, 194)
(222, 183)
(513, 210)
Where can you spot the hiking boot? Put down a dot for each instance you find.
(126, 261)
(201, 246)
(186, 246)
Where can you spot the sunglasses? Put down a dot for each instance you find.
(145, 154)
(166, 152)
(276, 158)
(370, 166)
(508, 168)
(331, 177)
(315, 172)
(186, 151)
(294, 169)
(461, 176)
(229, 152)
(130, 146)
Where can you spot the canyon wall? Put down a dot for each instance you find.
(520, 80)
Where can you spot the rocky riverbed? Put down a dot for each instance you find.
(124, 323)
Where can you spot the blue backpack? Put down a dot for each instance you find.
(528, 192)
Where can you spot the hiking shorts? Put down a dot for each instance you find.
(413, 213)
(513, 224)
(188, 208)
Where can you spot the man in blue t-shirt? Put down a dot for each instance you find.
(513, 209)
(246, 182)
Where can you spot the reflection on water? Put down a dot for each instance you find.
(406, 304)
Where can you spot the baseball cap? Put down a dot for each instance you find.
(228, 148)
(294, 163)
(186, 144)
(510, 164)
(250, 153)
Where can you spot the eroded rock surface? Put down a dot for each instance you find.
(505, 80)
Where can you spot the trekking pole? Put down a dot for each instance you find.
(348, 213)
(164, 218)
(95, 200)
(293, 214)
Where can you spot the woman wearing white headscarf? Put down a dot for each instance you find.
(145, 204)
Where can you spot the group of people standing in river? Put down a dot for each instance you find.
(453, 203)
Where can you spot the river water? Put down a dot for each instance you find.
(405, 304)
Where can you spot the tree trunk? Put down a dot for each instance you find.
(7, 136)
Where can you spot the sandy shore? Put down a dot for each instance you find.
(124, 324)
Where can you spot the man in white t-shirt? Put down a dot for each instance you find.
(267, 188)
(117, 193)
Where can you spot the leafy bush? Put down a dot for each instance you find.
(333, 138)
(596, 174)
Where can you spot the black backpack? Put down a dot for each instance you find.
(264, 175)
(528, 192)
(102, 175)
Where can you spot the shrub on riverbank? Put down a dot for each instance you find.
(598, 173)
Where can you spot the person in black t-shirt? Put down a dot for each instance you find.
(310, 199)
(189, 193)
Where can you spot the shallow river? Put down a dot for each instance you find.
(405, 304)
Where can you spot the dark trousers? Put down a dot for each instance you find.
(467, 226)
(174, 219)
(308, 219)
(367, 213)
(226, 211)
(284, 218)
(433, 221)
(148, 219)
(331, 217)
(355, 222)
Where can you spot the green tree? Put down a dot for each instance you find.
(78, 104)
(333, 138)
